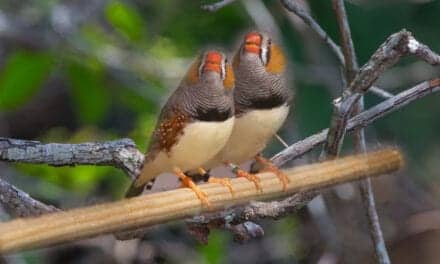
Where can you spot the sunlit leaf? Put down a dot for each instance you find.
(125, 19)
(22, 76)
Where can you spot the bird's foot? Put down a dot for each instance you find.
(224, 182)
(270, 167)
(207, 178)
(187, 182)
(251, 177)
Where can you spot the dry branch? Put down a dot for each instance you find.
(365, 186)
(295, 8)
(388, 54)
(216, 6)
(163, 207)
(362, 120)
(121, 153)
(20, 203)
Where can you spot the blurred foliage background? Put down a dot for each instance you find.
(75, 71)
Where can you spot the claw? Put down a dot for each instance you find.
(187, 182)
(224, 182)
(270, 167)
(250, 177)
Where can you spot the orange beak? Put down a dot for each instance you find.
(213, 61)
(252, 42)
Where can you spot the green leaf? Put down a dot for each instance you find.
(23, 73)
(89, 95)
(125, 19)
(215, 250)
(80, 179)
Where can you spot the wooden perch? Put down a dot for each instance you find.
(159, 208)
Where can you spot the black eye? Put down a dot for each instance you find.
(269, 42)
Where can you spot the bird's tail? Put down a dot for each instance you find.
(134, 190)
(144, 181)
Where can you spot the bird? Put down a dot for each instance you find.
(262, 100)
(193, 125)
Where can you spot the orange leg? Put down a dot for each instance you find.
(269, 166)
(222, 181)
(187, 182)
(242, 173)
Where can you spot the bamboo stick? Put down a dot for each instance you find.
(159, 208)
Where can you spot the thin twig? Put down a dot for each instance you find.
(292, 6)
(362, 120)
(388, 54)
(281, 140)
(295, 8)
(121, 153)
(366, 189)
(380, 92)
(380, 248)
(20, 203)
(351, 65)
(160, 208)
(216, 6)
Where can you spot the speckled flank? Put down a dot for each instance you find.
(170, 129)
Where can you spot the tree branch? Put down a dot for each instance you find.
(216, 6)
(292, 6)
(362, 120)
(159, 208)
(121, 153)
(388, 54)
(380, 92)
(365, 187)
(20, 203)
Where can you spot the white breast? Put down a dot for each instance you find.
(199, 143)
(250, 135)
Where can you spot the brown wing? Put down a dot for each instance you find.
(168, 129)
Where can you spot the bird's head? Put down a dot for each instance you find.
(212, 63)
(259, 47)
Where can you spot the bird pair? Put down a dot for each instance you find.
(208, 122)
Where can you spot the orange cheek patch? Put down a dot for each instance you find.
(277, 61)
(229, 80)
(192, 76)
